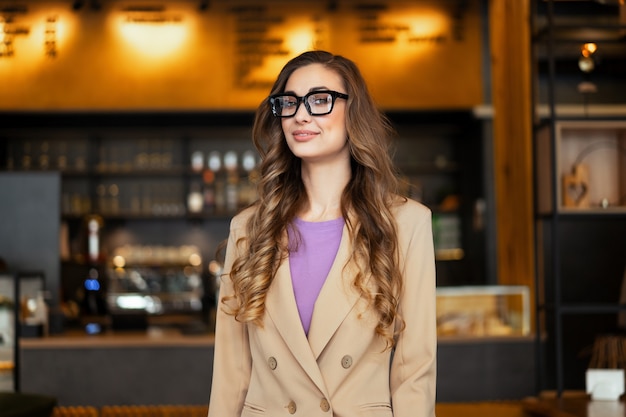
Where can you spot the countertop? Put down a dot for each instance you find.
(156, 337)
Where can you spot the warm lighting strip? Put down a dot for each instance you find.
(153, 32)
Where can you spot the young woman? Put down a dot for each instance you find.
(328, 294)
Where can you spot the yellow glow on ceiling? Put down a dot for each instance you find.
(426, 29)
(154, 39)
(300, 40)
(298, 35)
(428, 24)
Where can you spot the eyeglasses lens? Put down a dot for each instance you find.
(317, 104)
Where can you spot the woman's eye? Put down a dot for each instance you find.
(320, 100)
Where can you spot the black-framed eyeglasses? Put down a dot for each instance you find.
(317, 103)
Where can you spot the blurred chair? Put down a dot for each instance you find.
(154, 411)
(18, 404)
(75, 411)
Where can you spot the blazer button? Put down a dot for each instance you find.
(346, 361)
(272, 362)
(291, 407)
(324, 405)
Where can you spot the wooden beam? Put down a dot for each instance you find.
(510, 37)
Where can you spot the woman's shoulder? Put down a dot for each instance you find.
(406, 210)
(240, 219)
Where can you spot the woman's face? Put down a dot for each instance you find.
(316, 138)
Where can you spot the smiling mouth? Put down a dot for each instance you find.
(302, 135)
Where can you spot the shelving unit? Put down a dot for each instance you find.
(112, 163)
(136, 171)
(580, 173)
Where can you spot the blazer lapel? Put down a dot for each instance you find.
(282, 310)
(335, 300)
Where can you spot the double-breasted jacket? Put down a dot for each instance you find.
(341, 368)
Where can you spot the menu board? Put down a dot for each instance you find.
(420, 54)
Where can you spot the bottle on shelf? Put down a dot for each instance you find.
(94, 225)
(44, 157)
(26, 156)
(197, 161)
(209, 177)
(247, 187)
(232, 181)
(114, 201)
(195, 201)
(215, 165)
(62, 156)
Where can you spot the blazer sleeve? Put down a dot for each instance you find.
(232, 360)
(414, 363)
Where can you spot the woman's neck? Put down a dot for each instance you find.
(324, 187)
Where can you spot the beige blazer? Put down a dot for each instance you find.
(341, 369)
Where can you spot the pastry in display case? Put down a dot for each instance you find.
(483, 311)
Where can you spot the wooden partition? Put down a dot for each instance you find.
(512, 136)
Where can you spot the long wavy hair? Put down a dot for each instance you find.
(365, 202)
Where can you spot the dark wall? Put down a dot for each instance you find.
(29, 226)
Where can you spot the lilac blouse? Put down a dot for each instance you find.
(310, 260)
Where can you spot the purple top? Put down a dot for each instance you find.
(311, 261)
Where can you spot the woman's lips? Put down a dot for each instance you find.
(303, 135)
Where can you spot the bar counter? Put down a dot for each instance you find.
(154, 337)
(155, 367)
(166, 367)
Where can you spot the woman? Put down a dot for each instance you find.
(328, 295)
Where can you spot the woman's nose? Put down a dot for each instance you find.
(302, 114)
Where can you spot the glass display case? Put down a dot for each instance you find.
(483, 311)
(156, 282)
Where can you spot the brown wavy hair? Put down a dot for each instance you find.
(365, 202)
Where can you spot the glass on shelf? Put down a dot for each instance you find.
(195, 201)
(27, 158)
(79, 204)
(44, 155)
(142, 158)
(230, 161)
(114, 202)
(155, 154)
(61, 156)
(80, 156)
(197, 161)
(214, 161)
